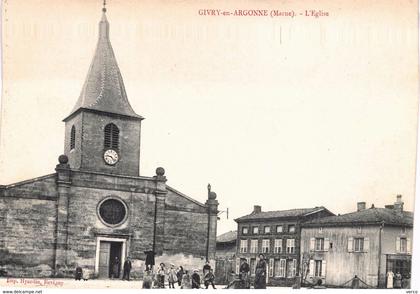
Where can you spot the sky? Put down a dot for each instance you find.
(282, 112)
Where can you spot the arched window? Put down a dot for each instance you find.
(72, 138)
(111, 136)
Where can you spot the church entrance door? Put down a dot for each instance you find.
(110, 256)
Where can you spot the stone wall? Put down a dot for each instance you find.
(27, 236)
(39, 188)
(27, 222)
(186, 225)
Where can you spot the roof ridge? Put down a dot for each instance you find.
(291, 209)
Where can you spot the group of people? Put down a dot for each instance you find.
(178, 276)
(244, 274)
(396, 280)
(156, 277)
(115, 269)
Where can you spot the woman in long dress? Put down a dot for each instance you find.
(398, 279)
(390, 279)
(260, 273)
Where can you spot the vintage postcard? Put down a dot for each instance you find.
(208, 144)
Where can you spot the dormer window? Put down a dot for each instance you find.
(72, 138)
(111, 136)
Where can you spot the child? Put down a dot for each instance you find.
(161, 276)
(195, 279)
(147, 279)
(172, 278)
(209, 279)
(186, 281)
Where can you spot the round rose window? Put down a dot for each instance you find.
(112, 211)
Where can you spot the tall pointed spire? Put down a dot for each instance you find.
(104, 89)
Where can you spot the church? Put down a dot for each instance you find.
(96, 208)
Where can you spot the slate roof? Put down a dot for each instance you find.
(104, 89)
(227, 237)
(367, 216)
(299, 212)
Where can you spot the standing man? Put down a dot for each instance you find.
(116, 268)
(244, 273)
(127, 269)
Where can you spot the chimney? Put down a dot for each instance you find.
(361, 206)
(257, 209)
(399, 205)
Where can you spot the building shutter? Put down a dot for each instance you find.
(326, 244)
(408, 245)
(366, 244)
(271, 267)
(350, 244)
(398, 244)
(294, 267)
(311, 268)
(312, 245)
(237, 266)
(323, 268)
(72, 138)
(255, 266)
(293, 245)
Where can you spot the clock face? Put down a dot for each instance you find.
(111, 157)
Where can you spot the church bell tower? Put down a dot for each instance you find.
(102, 132)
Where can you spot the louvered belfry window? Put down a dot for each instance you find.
(72, 138)
(111, 138)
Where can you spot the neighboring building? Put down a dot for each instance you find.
(96, 207)
(226, 245)
(367, 243)
(225, 257)
(276, 234)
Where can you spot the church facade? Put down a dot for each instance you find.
(96, 208)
